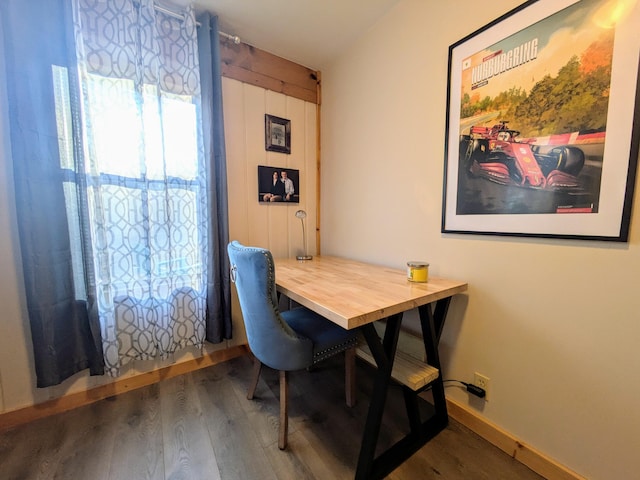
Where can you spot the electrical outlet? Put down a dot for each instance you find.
(483, 382)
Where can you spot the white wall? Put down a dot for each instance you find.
(15, 353)
(553, 323)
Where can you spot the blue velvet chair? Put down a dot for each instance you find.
(285, 341)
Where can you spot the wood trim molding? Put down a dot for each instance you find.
(318, 159)
(251, 65)
(525, 454)
(79, 399)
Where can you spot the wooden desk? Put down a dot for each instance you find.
(353, 295)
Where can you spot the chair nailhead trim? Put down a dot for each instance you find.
(328, 352)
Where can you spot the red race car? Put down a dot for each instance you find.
(494, 153)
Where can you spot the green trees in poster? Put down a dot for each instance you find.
(576, 99)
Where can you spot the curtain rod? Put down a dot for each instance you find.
(234, 38)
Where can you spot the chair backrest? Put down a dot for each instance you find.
(271, 340)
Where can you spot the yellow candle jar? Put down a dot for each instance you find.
(418, 272)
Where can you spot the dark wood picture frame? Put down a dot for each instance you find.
(277, 134)
(567, 169)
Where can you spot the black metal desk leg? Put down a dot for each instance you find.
(413, 410)
(439, 315)
(383, 354)
(431, 329)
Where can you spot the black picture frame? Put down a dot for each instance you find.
(277, 134)
(583, 153)
(281, 194)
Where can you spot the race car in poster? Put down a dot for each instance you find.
(496, 154)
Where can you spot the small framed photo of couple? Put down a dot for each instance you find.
(277, 134)
(277, 184)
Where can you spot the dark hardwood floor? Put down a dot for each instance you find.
(201, 426)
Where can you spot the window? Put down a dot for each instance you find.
(122, 232)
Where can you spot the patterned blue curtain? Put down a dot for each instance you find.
(146, 176)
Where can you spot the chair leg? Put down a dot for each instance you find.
(284, 416)
(257, 366)
(350, 376)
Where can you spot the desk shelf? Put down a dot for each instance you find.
(407, 369)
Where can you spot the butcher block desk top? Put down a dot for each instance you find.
(352, 293)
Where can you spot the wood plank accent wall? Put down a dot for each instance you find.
(273, 226)
(256, 67)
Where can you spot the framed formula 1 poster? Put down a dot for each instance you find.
(543, 120)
